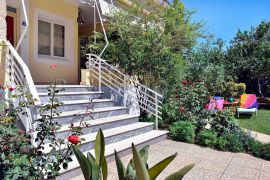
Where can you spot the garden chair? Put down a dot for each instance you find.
(248, 104)
(216, 103)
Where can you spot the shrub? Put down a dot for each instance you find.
(183, 131)
(265, 151)
(234, 89)
(255, 148)
(223, 122)
(187, 102)
(222, 143)
(247, 140)
(234, 143)
(207, 138)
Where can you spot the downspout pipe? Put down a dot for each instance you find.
(103, 28)
(26, 26)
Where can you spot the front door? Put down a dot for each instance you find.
(11, 27)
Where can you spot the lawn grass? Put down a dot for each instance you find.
(261, 123)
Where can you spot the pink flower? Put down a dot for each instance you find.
(181, 108)
(52, 66)
(73, 139)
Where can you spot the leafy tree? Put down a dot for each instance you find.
(207, 62)
(150, 41)
(249, 57)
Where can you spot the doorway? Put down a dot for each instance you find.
(11, 20)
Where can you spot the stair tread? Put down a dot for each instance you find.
(99, 121)
(71, 93)
(81, 112)
(67, 86)
(85, 101)
(108, 133)
(120, 146)
(74, 102)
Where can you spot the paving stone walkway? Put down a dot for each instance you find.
(209, 164)
(264, 138)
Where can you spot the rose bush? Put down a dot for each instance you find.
(187, 102)
(19, 158)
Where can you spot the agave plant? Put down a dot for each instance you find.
(138, 167)
(96, 168)
(93, 168)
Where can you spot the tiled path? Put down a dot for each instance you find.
(264, 138)
(210, 164)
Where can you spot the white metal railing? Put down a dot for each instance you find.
(107, 75)
(19, 75)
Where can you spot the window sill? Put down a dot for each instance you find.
(53, 57)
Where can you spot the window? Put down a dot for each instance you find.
(59, 40)
(51, 39)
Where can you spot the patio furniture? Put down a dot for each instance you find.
(233, 104)
(216, 103)
(249, 104)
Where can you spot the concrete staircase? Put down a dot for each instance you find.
(119, 127)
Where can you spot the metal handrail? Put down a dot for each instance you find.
(109, 76)
(19, 75)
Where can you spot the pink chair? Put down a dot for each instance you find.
(216, 104)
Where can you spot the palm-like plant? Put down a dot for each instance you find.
(96, 168)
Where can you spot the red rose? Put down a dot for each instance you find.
(11, 89)
(182, 108)
(190, 82)
(184, 82)
(73, 139)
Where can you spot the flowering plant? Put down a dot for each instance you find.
(19, 158)
(187, 103)
(73, 139)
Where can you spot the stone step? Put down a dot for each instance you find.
(97, 113)
(111, 135)
(67, 96)
(84, 104)
(103, 123)
(66, 88)
(122, 147)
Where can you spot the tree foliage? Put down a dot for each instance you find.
(207, 62)
(247, 60)
(150, 41)
(249, 57)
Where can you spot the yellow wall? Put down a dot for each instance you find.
(41, 72)
(2, 37)
(2, 64)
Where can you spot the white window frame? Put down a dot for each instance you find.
(69, 48)
(52, 23)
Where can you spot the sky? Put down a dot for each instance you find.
(224, 17)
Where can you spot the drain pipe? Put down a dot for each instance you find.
(103, 29)
(26, 26)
